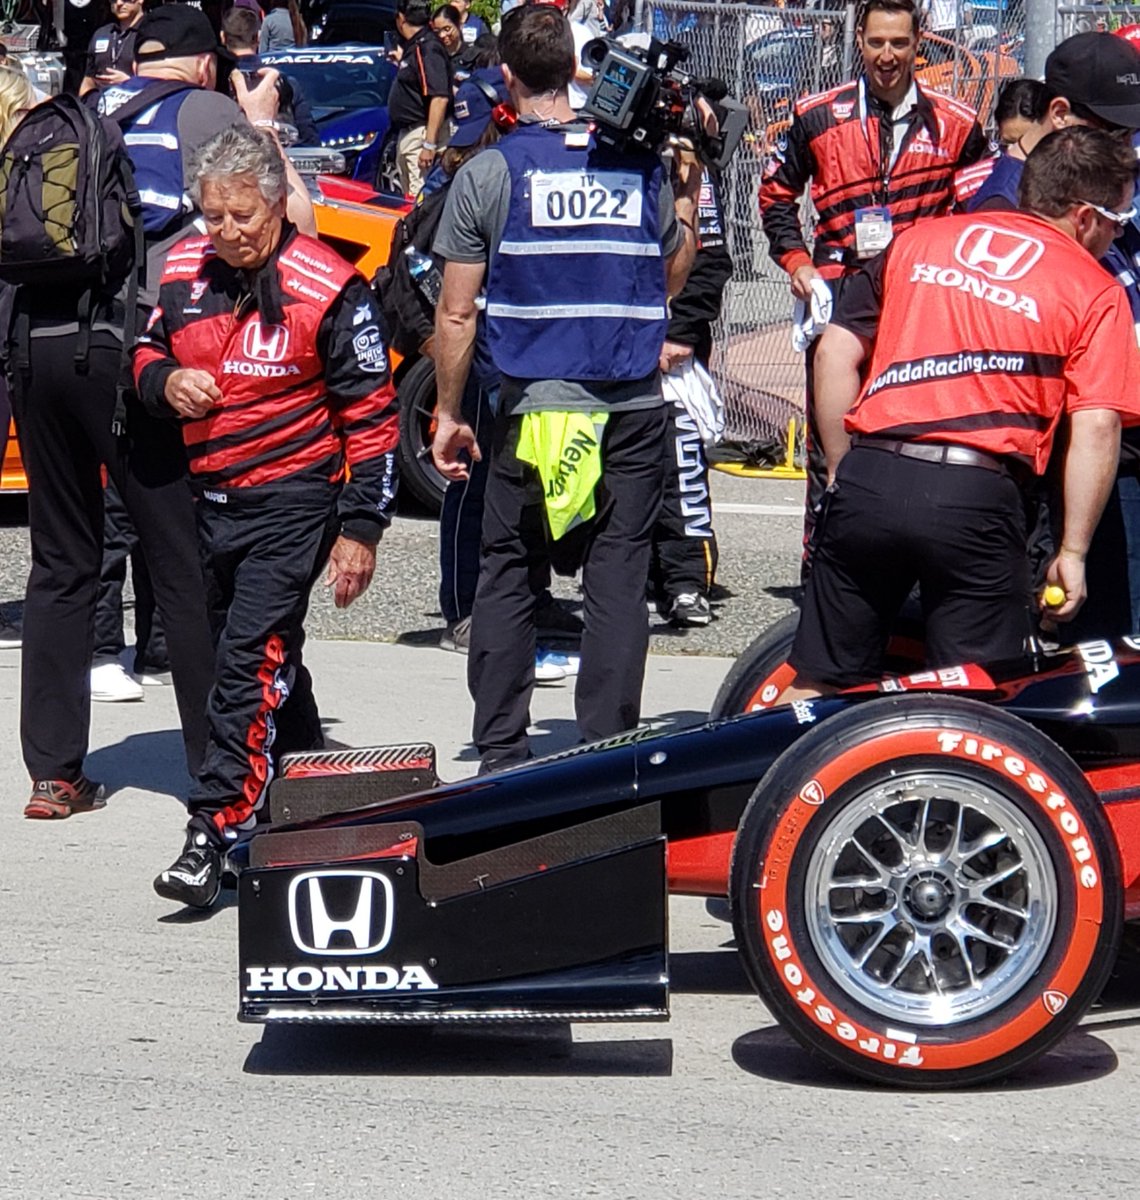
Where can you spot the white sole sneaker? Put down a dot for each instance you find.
(110, 684)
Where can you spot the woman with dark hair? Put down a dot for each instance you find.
(282, 27)
(463, 57)
(1021, 104)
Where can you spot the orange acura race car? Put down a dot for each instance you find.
(358, 223)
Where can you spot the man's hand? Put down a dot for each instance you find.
(259, 103)
(451, 437)
(673, 354)
(425, 161)
(110, 76)
(1066, 571)
(351, 566)
(801, 281)
(191, 393)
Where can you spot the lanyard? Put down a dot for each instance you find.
(884, 166)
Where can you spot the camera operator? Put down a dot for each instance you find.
(239, 36)
(579, 247)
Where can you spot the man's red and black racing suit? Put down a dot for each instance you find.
(296, 350)
(841, 142)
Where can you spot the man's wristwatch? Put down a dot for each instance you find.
(429, 146)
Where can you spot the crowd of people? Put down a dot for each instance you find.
(234, 436)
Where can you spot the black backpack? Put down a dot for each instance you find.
(70, 213)
(409, 316)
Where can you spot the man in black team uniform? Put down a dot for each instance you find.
(111, 54)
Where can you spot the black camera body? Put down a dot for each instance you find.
(640, 97)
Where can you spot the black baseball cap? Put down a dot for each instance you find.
(181, 31)
(1100, 72)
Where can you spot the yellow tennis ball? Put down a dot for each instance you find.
(1054, 596)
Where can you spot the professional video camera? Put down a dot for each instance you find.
(640, 97)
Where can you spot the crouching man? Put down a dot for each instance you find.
(267, 346)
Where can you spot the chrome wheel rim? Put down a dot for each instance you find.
(931, 899)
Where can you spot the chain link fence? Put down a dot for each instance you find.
(1094, 18)
(769, 57)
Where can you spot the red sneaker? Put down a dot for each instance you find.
(54, 799)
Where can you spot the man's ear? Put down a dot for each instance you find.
(1058, 112)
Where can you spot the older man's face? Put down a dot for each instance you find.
(244, 227)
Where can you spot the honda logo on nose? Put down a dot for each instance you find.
(265, 343)
(998, 253)
(341, 912)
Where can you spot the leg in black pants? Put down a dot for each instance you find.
(500, 670)
(262, 557)
(684, 542)
(607, 698)
(65, 434)
(500, 666)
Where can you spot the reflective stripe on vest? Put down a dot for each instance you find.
(576, 287)
(152, 143)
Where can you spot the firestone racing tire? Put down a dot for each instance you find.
(761, 672)
(926, 892)
(418, 473)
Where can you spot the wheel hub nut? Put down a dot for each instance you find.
(928, 898)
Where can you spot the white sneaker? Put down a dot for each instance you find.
(112, 685)
(10, 637)
(158, 679)
(545, 672)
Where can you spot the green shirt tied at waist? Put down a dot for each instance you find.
(566, 450)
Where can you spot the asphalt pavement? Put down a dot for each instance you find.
(123, 1072)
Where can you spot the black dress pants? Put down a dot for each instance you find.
(615, 567)
(64, 421)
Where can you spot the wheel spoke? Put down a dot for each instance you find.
(890, 924)
(933, 900)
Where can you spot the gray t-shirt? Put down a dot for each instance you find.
(470, 231)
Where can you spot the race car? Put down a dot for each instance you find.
(928, 876)
(347, 88)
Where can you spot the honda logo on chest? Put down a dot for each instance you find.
(341, 912)
(998, 254)
(265, 343)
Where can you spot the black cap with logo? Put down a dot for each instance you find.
(1100, 72)
(181, 32)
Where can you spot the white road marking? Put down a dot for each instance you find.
(761, 510)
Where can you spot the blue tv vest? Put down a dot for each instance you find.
(576, 289)
(152, 144)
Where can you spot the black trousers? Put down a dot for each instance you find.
(64, 422)
(615, 567)
(684, 543)
(262, 554)
(889, 523)
(120, 547)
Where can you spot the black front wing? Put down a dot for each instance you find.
(568, 926)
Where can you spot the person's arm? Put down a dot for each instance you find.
(1089, 474)
(686, 200)
(454, 345)
(365, 411)
(166, 388)
(843, 349)
(976, 147)
(259, 104)
(785, 178)
(839, 360)
(437, 114)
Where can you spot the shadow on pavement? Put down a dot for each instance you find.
(536, 1050)
(708, 973)
(152, 762)
(773, 1054)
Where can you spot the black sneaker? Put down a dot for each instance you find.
(195, 876)
(689, 608)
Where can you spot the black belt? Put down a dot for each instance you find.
(937, 452)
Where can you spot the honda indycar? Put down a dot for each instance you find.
(928, 876)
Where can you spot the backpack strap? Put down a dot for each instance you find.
(149, 97)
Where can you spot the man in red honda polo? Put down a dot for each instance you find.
(267, 345)
(983, 334)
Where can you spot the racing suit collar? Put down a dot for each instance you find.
(264, 283)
